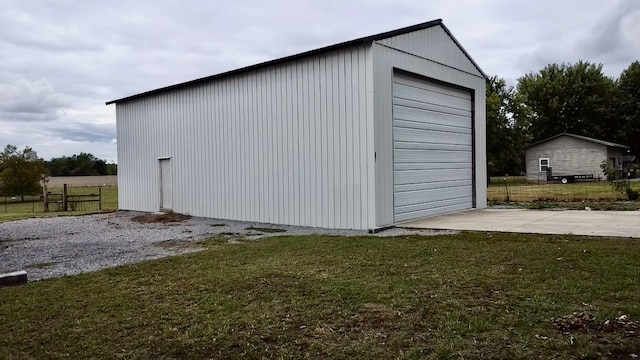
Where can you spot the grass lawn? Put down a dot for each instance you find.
(15, 210)
(597, 191)
(511, 180)
(471, 295)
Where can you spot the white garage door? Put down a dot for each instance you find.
(433, 148)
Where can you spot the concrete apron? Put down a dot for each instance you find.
(577, 222)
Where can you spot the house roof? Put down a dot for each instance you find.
(346, 44)
(596, 141)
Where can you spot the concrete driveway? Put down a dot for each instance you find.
(577, 222)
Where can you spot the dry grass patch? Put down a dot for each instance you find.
(166, 217)
(594, 191)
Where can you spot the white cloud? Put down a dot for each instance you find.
(30, 100)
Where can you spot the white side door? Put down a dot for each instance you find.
(166, 190)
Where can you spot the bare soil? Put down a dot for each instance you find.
(161, 218)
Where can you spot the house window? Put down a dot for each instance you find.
(544, 164)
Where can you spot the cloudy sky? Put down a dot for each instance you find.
(60, 61)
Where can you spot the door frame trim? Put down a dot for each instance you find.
(160, 202)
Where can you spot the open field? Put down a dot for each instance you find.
(472, 295)
(105, 180)
(595, 191)
(14, 209)
(511, 180)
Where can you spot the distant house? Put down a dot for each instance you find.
(570, 154)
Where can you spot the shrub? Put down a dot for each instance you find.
(618, 183)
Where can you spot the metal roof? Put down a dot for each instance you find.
(346, 44)
(601, 142)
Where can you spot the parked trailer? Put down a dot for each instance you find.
(565, 179)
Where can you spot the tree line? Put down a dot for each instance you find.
(21, 171)
(574, 98)
(79, 165)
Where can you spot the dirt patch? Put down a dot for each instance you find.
(265, 229)
(584, 322)
(161, 218)
(375, 317)
(44, 265)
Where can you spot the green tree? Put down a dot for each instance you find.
(507, 128)
(573, 98)
(628, 107)
(20, 171)
(80, 165)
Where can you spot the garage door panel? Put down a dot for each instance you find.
(432, 185)
(433, 86)
(429, 136)
(429, 156)
(412, 93)
(417, 111)
(419, 176)
(433, 148)
(430, 126)
(440, 166)
(425, 197)
(432, 205)
(422, 213)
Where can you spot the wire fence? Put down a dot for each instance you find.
(515, 189)
(76, 198)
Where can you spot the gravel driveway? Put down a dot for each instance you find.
(69, 245)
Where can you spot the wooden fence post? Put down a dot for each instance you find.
(45, 198)
(100, 198)
(64, 197)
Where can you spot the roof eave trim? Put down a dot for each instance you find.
(579, 137)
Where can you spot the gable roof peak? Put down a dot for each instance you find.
(580, 137)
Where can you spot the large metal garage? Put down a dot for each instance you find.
(363, 134)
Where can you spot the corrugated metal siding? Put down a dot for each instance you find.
(433, 44)
(567, 156)
(288, 144)
(385, 60)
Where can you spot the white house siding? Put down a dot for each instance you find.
(567, 156)
(438, 58)
(291, 143)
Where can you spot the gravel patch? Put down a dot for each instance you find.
(69, 245)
